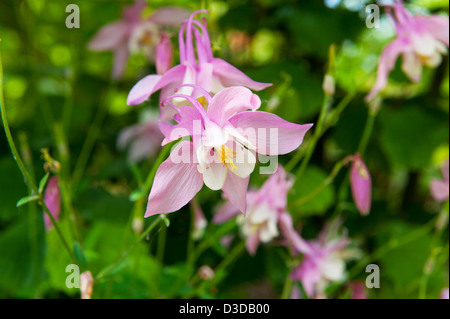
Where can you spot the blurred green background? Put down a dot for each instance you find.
(49, 70)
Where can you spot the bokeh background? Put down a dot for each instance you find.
(52, 82)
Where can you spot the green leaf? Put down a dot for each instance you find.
(27, 199)
(43, 182)
(409, 135)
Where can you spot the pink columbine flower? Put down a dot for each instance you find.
(222, 152)
(52, 199)
(323, 262)
(143, 140)
(266, 213)
(361, 184)
(133, 33)
(421, 40)
(440, 187)
(202, 69)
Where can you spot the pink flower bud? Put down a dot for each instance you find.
(361, 185)
(164, 54)
(86, 285)
(52, 199)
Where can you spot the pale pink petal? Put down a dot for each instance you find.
(142, 90)
(445, 294)
(439, 190)
(437, 26)
(232, 76)
(204, 76)
(189, 124)
(132, 13)
(235, 189)
(288, 231)
(226, 212)
(164, 54)
(252, 243)
(169, 16)
(361, 185)
(445, 171)
(109, 37)
(387, 63)
(175, 184)
(274, 135)
(231, 100)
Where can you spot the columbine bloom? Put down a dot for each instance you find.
(266, 213)
(421, 40)
(361, 184)
(212, 74)
(52, 199)
(143, 140)
(222, 153)
(133, 33)
(439, 187)
(323, 262)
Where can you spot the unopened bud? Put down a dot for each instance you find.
(328, 85)
(205, 272)
(86, 285)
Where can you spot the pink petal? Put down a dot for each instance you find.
(190, 123)
(235, 189)
(52, 199)
(274, 135)
(439, 190)
(231, 76)
(164, 54)
(252, 243)
(361, 185)
(109, 37)
(437, 26)
(175, 184)
(387, 63)
(445, 171)
(231, 100)
(169, 16)
(204, 76)
(132, 13)
(288, 231)
(142, 90)
(226, 212)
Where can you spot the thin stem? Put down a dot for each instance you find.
(287, 287)
(91, 137)
(125, 254)
(336, 169)
(161, 245)
(28, 179)
(367, 131)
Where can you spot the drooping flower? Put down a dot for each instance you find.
(361, 184)
(421, 40)
(143, 140)
(134, 33)
(52, 199)
(440, 187)
(202, 69)
(222, 152)
(266, 215)
(323, 262)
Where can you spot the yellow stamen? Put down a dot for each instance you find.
(226, 156)
(203, 101)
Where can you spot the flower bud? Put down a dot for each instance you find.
(164, 54)
(361, 185)
(328, 85)
(52, 199)
(86, 285)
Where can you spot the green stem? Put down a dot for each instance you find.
(28, 179)
(287, 287)
(161, 245)
(92, 136)
(367, 132)
(125, 254)
(336, 169)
